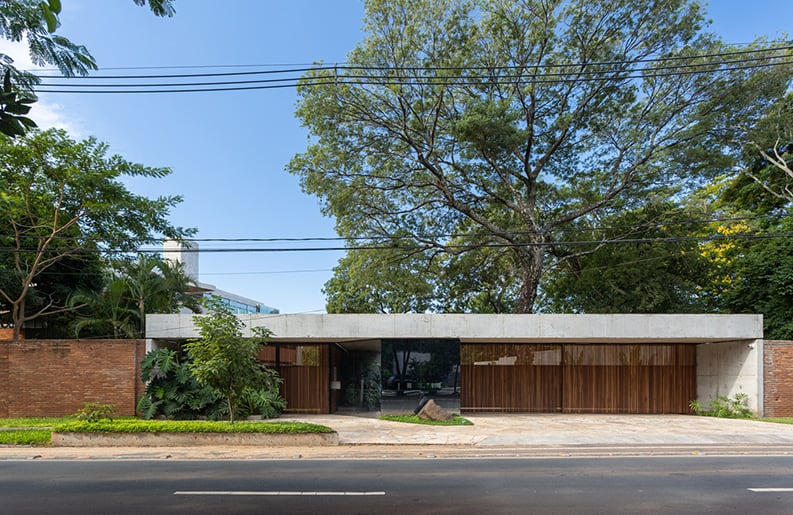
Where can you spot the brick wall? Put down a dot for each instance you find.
(55, 377)
(778, 378)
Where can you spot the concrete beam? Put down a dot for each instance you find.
(485, 328)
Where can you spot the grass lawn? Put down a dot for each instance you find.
(33, 421)
(778, 420)
(456, 420)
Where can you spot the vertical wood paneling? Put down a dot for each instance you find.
(640, 378)
(304, 370)
(510, 377)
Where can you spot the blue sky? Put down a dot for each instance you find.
(228, 150)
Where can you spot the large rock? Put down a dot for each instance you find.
(431, 411)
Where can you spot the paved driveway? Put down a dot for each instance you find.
(517, 430)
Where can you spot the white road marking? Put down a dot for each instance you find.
(238, 492)
(763, 490)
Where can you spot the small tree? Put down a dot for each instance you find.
(223, 358)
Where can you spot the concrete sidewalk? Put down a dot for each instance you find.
(492, 435)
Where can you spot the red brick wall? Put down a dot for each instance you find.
(778, 378)
(55, 377)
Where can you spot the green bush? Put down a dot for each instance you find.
(188, 426)
(95, 411)
(266, 402)
(172, 391)
(724, 407)
(25, 437)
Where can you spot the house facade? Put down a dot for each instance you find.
(503, 363)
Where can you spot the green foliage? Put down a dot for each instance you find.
(264, 402)
(95, 411)
(474, 128)
(724, 407)
(456, 420)
(189, 426)
(80, 206)
(223, 359)
(26, 437)
(134, 289)
(645, 276)
(171, 389)
(23, 422)
(778, 420)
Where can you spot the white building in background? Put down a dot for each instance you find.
(186, 253)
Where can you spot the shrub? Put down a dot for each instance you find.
(189, 426)
(95, 411)
(266, 402)
(724, 407)
(171, 389)
(25, 437)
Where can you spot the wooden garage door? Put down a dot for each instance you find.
(510, 377)
(646, 378)
(642, 378)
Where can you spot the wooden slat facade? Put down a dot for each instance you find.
(510, 377)
(641, 378)
(306, 380)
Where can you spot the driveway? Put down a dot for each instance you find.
(551, 429)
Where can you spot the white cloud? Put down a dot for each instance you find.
(46, 114)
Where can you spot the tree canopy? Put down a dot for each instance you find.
(64, 200)
(485, 132)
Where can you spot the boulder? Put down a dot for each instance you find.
(431, 411)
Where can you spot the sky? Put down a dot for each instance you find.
(228, 150)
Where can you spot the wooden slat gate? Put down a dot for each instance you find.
(305, 374)
(575, 378)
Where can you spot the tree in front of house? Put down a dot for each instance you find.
(226, 360)
(63, 201)
(464, 127)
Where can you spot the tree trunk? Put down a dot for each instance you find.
(531, 261)
(18, 318)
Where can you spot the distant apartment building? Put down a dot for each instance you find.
(186, 253)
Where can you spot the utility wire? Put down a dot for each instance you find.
(687, 221)
(453, 247)
(581, 75)
(429, 81)
(351, 67)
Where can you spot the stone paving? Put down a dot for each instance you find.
(516, 430)
(492, 435)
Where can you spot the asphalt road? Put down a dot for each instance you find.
(694, 484)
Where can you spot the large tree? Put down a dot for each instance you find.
(35, 21)
(457, 126)
(657, 265)
(61, 199)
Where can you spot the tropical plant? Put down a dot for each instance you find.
(225, 360)
(171, 390)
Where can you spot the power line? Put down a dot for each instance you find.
(449, 247)
(354, 67)
(491, 79)
(660, 224)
